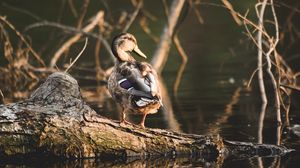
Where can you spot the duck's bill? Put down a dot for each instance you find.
(139, 52)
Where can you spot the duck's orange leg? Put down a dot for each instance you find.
(142, 124)
(123, 117)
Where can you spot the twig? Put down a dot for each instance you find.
(147, 30)
(72, 7)
(74, 39)
(286, 104)
(239, 15)
(233, 14)
(296, 88)
(83, 12)
(248, 22)
(184, 58)
(293, 8)
(251, 78)
(133, 16)
(165, 5)
(23, 11)
(249, 34)
(1, 97)
(197, 13)
(8, 49)
(85, 44)
(99, 70)
(60, 11)
(23, 40)
(72, 29)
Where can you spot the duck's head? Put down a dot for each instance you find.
(123, 44)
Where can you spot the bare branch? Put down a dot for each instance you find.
(98, 18)
(197, 13)
(272, 50)
(72, 7)
(251, 78)
(133, 16)
(1, 97)
(3, 19)
(184, 58)
(23, 11)
(260, 53)
(74, 30)
(234, 15)
(77, 57)
(83, 13)
(161, 54)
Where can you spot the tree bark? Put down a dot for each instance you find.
(55, 121)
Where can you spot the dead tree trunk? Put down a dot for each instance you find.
(56, 121)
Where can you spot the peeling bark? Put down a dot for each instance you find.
(55, 121)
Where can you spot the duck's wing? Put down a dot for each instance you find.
(137, 84)
(134, 87)
(143, 85)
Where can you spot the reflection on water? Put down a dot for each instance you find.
(130, 163)
(211, 97)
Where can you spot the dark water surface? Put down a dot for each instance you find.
(211, 98)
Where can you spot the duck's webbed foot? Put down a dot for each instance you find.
(142, 125)
(123, 121)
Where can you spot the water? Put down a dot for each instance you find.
(211, 98)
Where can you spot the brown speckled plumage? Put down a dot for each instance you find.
(134, 85)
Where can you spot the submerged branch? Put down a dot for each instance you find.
(260, 54)
(275, 82)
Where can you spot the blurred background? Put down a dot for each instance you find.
(205, 92)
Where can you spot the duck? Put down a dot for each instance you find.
(133, 84)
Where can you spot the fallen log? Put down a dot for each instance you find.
(55, 121)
